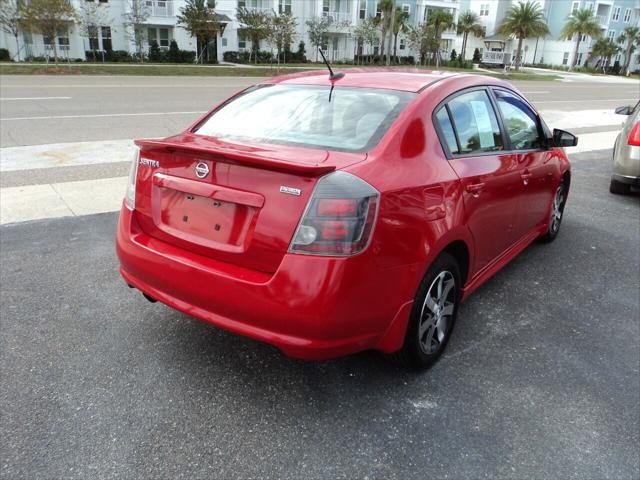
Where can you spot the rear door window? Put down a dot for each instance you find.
(520, 122)
(476, 123)
(447, 130)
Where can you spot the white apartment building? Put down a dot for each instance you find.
(614, 16)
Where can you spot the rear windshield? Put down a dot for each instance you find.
(348, 119)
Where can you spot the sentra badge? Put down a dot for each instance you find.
(290, 190)
(149, 163)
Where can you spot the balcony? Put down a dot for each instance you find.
(160, 8)
(602, 19)
(338, 16)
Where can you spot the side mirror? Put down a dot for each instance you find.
(624, 110)
(564, 139)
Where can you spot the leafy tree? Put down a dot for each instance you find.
(605, 49)
(11, 13)
(422, 38)
(441, 20)
(477, 57)
(134, 19)
(90, 18)
(255, 25)
(366, 33)
(198, 17)
(399, 26)
(469, 23)
(631, 37)
(581, 22)
(522, 21)
(318, 30)
(48, 17)
(282, 29)
(173, 54)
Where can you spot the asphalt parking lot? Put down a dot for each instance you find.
(541, 378)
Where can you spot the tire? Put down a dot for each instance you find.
(432, 317)
(557, 211)
(619, 188)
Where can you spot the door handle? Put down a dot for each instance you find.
(475, 188)
(526, 177)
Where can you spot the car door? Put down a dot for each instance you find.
(539, 176)
(490, 176)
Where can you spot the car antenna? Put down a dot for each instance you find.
(332, 76)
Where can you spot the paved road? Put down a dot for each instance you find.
(540, 380)
(45, 109)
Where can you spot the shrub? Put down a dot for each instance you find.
(4, 55)
(118, 56)
(173, 54)
(453, 55)
(477, 57)
(155, 54)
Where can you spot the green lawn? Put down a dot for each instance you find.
(205, 70)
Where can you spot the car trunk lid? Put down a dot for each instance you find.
(235, 202)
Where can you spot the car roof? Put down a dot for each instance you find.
(409, 80)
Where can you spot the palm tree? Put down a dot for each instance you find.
(581, 22)
(441, 20)
(605, 49)
(399, 25)
(630, 35)
(469, 23)
(522, 21)
(384, 21)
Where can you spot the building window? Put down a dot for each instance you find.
(63, 39)
(242, 4)
(94, 41)
(224, 42)
(378, 11)
(574, 7)
(616, 14)
(617, 59)
(402, 44)
(583, 38)
(579, 62)
(160, 35)
(284, 6)
(242, 43)
(325, 7)
(484, 10)
(589, 6)
(106, 38)
(627, 15)
(611, 34)
(363, 9)
(565, 58)
(406, 8)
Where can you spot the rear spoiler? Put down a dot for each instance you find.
(236, 156)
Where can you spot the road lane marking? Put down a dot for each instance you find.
(588, 100)
(100, 115)
(7, 99)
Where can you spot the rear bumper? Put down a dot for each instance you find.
(627, 179)
(311, 307)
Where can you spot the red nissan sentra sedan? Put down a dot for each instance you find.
(330, 215)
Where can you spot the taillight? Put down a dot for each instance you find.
(634, 136)
(339, 217)
(130, 195)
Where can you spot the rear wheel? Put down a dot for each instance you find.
(619, 188)
(557, 209)
(433, 315)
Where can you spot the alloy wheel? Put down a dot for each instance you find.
(556, 211)
(437, 312)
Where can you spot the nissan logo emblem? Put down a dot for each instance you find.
(202, 170)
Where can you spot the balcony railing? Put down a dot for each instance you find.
(602, 19)
(338, 16)
(160, 8)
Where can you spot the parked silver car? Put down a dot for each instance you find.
(626, 153)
